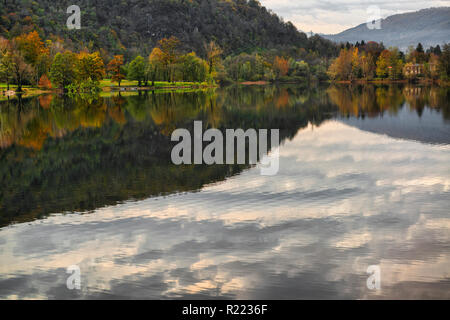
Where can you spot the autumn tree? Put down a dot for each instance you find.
(367, 66)
(31, 46)
(155, 64)
(341, 67)
(280, 67)
(169, 50)
(356, 64)
(89, 66)
(213, 52)
(115, 67)
(34, 52)
(383, 64)
(44, 82)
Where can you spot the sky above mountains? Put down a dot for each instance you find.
(334, 16)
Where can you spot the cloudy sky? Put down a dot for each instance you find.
(334, 16)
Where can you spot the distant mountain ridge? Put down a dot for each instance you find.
(428, 26)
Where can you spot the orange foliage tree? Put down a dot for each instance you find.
(280, 67)
(169, 54)
(44, 82)
(90, 66)
(34, 52)
(155, 63)
(115, 67)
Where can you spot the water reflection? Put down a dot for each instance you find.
(79, 154)
(344, 198)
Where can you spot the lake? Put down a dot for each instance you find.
(363, 180)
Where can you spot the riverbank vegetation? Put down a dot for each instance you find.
(29, 60)
(46, 65)
(373, 62)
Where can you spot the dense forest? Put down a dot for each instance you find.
(202, 41)
(135, 26)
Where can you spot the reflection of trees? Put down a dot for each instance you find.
(433, 97)
(100, 151)
(372, 101)
(78, 154)
(29, 122)
(23, 123)
(45, 101)
(168, 110)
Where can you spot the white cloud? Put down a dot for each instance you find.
(325, 16)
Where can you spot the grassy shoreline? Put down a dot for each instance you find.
(107, 87)
(27, 91)
(128, 85)
(390, 81)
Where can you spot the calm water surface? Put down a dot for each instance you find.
(364, 180)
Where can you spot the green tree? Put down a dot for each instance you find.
(301, 69)
(395, 64)
(137, 70)
(194, 68)
(63, 71)
(6, 64)
(419, 48)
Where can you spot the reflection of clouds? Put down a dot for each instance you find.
(355, 240)
(343, 199)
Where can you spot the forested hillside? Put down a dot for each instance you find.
(134, 26)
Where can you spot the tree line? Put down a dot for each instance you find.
(28, 59)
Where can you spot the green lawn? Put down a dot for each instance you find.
(11, 86)
(129, 83)
(125, 83)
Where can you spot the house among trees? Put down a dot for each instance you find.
(413, 69)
